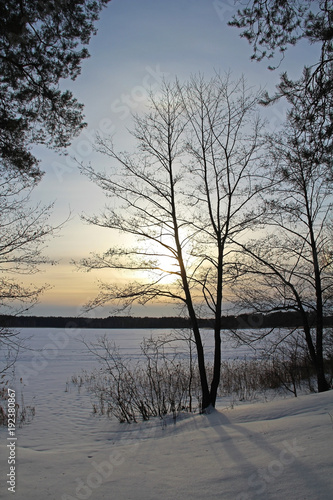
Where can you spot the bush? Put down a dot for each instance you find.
(166, 381)
(159, 385)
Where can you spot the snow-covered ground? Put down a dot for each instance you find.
(282, 449)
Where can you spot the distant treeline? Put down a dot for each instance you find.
(277, 319)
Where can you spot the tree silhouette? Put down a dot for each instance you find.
(41, 43)
(186, 192)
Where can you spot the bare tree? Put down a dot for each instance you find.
(186, 192)
(23, 231)
(292, 263)
(41, 43)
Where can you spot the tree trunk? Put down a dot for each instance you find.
(206, 397)
(315, 355)
(217, 365)
(323, 385)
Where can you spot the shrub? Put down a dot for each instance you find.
(166, 381)
(159, 385)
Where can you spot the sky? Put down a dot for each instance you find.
(137, 44)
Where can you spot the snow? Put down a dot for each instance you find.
(281, 449)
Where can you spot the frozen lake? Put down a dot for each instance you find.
(52, 356)
(59, 450)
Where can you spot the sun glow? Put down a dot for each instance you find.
(168, 267)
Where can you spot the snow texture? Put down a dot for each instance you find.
(282, 449)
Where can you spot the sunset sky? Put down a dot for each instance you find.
(137, 44)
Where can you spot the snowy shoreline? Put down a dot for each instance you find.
(281, 449)
(273, 450)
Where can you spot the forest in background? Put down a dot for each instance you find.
(243, 321)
